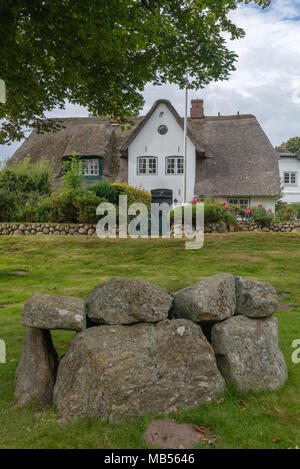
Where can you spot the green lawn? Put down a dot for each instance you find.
(74, 265)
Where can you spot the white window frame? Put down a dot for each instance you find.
(149, 160)
(239, 201)
(289, 174)
(89, 166)
(176, 159)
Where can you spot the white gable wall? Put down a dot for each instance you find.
(291, 193)
(149, 142)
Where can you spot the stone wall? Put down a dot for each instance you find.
(89, 229)
(46, 229)
(287, 227)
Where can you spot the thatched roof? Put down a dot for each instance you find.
(88, 136)
(241, 160)
(234, 156)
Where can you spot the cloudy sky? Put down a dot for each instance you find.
(266, 82)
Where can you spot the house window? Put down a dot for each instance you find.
(290, 177)
(174, 165)
(90, 167)
(147, 165)
(162, 129)
(243, 203)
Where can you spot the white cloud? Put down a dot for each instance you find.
(285, 8)
(266, 82)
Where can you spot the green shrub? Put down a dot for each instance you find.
(8, 205)
(286, 213)
(296, 207)
(133, 194)
(72, 168)
(22, 187)
(44, 211)
(261, 216)
(214, 212)
(86, 203)
(105, 190)
(72, 206)
(24, 177)
(63, 208)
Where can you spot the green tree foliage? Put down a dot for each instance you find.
(100, 54)
(292, 145)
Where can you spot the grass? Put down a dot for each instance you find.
(74, 265)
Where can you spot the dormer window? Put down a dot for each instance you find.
(91, 168)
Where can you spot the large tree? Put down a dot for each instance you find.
(101, 53)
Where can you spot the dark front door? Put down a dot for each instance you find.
(160, 196)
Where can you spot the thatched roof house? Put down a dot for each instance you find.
(230, 156)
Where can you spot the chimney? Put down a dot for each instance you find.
(197, 110)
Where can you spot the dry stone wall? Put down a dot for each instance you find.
(90, 229)
(46, 229)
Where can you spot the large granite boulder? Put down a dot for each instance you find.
(248, 353)
(54, 312)
(114, 372)
(254, 298)
(212, 299)
(37, 368)
(127, 301)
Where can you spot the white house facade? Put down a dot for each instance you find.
(156, 157)
(289, 170)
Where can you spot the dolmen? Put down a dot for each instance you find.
(140, 349)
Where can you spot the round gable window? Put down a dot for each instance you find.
(162, 129)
